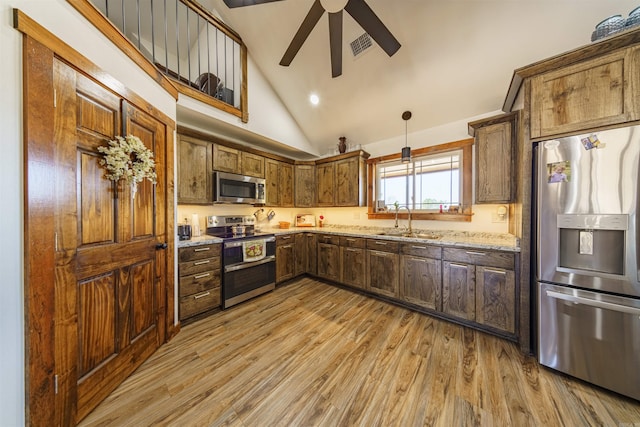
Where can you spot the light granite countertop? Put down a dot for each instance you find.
(468, 239)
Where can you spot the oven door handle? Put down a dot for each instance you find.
(270, 258)
(240, 242)
(594, 303)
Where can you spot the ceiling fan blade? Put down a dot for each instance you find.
(369, 21)
(335, 42)
(242, 3)
(303, 32)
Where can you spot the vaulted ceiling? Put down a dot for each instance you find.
(456, 60)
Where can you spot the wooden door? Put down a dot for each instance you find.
(458, 290)
(194, 171)
(347, 189)
(353, 266)
(496, 298)
(383, 273)
(252, 164)
(271, 177)
(329, 261)
(110, 278)
(226, 159)
(285, 184)
(305, 186)
(494, 157)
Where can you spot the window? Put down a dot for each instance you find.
(437, 177)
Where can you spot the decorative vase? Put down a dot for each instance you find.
(342, 146)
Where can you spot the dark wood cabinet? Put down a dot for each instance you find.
(383, 263)
(342, 182)
(199, 279)
(285, 257)
(458, 290)
(421, 275)
(329, 257)
(279, 182)
(495, 143)
(354, 260)
(194, 171)
(305, 254)
(252, 164)
(480, 286)
(325, 182)
(305, 186)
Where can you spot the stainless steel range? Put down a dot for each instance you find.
(248, 258)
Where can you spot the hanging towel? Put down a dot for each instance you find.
(253, 250)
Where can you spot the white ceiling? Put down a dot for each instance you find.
(456, 60)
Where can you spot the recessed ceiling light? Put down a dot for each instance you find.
(314, 99)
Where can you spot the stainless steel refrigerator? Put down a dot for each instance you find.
(588, 279)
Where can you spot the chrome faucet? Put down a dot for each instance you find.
(410, 231)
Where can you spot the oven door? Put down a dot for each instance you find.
(247, 280)
(592, 336)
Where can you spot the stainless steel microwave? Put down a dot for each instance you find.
(233, 188)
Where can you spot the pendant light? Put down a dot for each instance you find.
(406, 150)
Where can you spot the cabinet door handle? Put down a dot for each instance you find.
(287, 246)
(384, 254)
(201, 249)
(285, 237)
(418, 247)
(202, 295)
(351, 250)
(381, 243)
(475, 253)
(457, 265)
(350, 240)
(201, 276)
(206, 261)
(491, 270)
(418, 259)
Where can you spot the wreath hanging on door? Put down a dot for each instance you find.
(128, 159)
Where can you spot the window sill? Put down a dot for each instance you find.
(435, 216)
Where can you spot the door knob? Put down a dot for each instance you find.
(161, 246)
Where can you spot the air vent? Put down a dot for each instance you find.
(362, 43)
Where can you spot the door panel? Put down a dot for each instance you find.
(142, 298)
(97, 207)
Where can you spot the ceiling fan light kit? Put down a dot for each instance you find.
(359, 11)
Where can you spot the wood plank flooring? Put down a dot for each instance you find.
(310, 354)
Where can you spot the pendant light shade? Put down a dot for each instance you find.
(406, 150)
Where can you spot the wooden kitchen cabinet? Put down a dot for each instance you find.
(227, 159)
(494, 144)
(279, 182)
(285, 257)
(199, 274)
(252, 164)
(305, 254)
(305, 186)
(421, 275)
(353, 261)
(194, 171)
(586, 95)
(383, 263)
(480, 286)
(325, 182)
(328, 257)
(342, 182)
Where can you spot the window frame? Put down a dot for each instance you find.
(465, 215)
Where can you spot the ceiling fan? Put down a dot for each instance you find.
(358, 9)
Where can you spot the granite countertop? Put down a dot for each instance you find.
(468, 239)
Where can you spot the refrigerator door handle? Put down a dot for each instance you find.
(593, 303)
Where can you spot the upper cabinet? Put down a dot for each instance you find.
(227, 159)
(341, 180)
(495, 142)
(279, 180)
(586, 95)
(305, 186)
(194, 171)
(252, 164)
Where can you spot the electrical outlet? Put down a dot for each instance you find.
(498, 218)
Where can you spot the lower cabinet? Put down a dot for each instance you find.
(480, 286)
(199, 279)
(353, 261)
(384, 266)
(285, 257)
(305, 254)
(421, 275)
(329, 257)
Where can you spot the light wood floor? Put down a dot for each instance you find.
(310, 354)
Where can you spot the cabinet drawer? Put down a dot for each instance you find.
(199, 252)
(352, 242)
(199, 282)
(200, 302)
(199, 266)
(383, 245)
(480, 257)
(286, 239)
(328, 238)
(421, 250)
